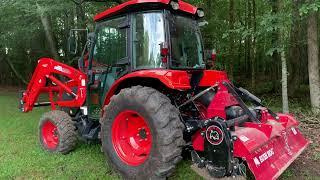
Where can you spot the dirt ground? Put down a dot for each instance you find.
(307, 166)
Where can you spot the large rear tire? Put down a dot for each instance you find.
(57, 132)
(141, 134)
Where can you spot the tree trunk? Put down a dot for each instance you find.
(275, 55)
(81, 24)
(231, 40)
(14, 70)
(296, 49)
(47, 28)
(253, 60)
(313, 62)
(285, 103)
(248, 40)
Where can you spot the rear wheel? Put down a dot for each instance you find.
(141, 134)
(57, 132)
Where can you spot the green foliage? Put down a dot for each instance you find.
(257, 33)
(23, 39)
(309, 7)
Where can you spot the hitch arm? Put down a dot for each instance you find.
(241, 103)
(246, 94)
(59, 83)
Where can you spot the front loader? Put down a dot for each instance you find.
(143, 91)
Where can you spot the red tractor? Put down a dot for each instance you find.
(143, 91)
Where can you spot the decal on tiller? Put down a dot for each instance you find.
(214, 135)
(294, 131)
(287, 147)
(244, 138)
(263, 157)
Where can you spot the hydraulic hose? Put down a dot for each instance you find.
(237, 121)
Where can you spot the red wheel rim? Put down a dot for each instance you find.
(131, 138)
(49, 134)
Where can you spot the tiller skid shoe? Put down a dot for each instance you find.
(232, 135)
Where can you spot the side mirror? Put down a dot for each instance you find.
(83, 57)
(72, 43)
(74, 37)
(210, 56)
(90, 39)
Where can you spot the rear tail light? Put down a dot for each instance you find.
(164, 55)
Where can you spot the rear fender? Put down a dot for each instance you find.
(213, 77)
(172, 79)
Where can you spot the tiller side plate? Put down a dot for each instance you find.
(269, 148)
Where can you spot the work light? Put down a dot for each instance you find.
(174, 4)
(200, 12)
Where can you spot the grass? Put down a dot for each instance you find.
(22, 158)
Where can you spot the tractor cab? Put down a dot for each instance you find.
(160, 37)
(142, 36)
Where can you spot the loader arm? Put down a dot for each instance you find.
(45, 80)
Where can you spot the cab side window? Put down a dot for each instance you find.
(111, 43)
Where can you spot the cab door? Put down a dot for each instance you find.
(109, 61)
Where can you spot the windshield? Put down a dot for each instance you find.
(186, 47)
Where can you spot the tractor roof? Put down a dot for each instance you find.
(124, 7)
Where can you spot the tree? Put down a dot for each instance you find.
(231, 39)
(313, 61)
(47, 28)
(254, 58)
(284, 83)
(297, 51)
(275, 43)
(311, 8)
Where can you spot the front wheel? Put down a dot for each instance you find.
(141, 134)
(57, 132)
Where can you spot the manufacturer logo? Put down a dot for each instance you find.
(263, 157)
(61, 69)
(58, 68)
(214, 135)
